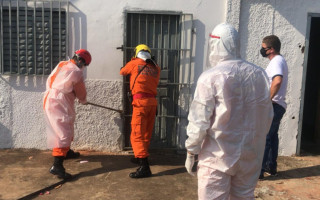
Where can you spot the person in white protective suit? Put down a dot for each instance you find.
(229, 119)
(64, 85)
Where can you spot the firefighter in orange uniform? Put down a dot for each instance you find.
(144, 78)
(64, 85)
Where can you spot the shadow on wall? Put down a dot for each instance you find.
(27, 83)
(119, 122)
(199, 66)
(200, 48)
(6, 137)
(77, 31)
(6, 140)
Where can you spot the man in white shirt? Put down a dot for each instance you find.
(277, 71)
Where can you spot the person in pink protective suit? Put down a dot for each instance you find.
(229, 119)
(64, 85)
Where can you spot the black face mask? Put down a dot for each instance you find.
(263, 52)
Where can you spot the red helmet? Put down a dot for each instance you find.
(85, 55)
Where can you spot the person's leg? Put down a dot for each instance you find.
(278, 114)
(272, 141)
(60, 151)
(57, 168)
(150, 124)
(139, 142)
(245, 180)
(138, 130)
(212, 184)
(267, 150)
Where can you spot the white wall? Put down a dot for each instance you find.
(104, 21)
(96, 25)
(288, 20)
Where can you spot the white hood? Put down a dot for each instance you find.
(223, 45)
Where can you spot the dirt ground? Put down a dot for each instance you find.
(24, 175)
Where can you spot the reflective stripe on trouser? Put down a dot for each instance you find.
(141, 129)
(60, 151)
(213, 184)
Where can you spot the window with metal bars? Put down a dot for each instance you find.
(33, 39)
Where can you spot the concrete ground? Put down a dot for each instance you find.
(24, 175)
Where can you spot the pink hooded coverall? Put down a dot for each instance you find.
(64, 85)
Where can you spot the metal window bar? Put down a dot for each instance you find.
(1, 35)
(27, 45)
(18, 38)
(160, 42)
(59, 29)
(146, 42)
(139, 40)
(10, 37)
(154, 31)
(67, 30)
(43, 40)
(26, 34)
(34, 37)
(51, 40)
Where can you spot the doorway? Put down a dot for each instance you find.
(310, 131)
(163, 33)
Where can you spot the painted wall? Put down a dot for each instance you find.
(96, 25)
(288, 20)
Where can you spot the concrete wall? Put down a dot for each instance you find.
(288, 20)
(96, 25)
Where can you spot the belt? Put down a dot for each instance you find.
(143, 96)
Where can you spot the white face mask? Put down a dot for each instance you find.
(144, 55)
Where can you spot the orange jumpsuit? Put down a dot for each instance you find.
(144, 103)
(64, 85)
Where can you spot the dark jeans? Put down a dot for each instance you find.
(269, 162)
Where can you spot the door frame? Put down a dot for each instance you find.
(190, 49)
(304, 77)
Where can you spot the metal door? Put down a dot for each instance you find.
(169, 36)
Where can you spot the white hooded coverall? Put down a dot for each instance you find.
(229, 119)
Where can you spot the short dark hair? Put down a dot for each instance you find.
(272, 41)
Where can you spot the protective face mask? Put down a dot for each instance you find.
(263, 52)
(144, 55)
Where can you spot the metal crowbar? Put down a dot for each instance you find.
(119, 111)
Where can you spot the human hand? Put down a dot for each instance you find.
(189, 163)
(83, 102)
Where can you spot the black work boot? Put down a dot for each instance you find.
(134, 160)
(71, 154)
(58, 169)
(143, 170)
